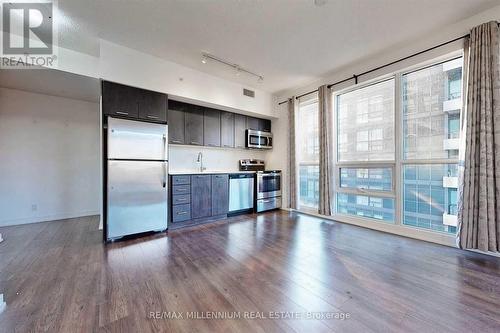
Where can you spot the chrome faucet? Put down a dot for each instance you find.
(200, 160)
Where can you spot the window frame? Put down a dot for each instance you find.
(305, 101)
(338, 164)
(399, 162)
(431, 161)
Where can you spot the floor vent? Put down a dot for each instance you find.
(249, 93)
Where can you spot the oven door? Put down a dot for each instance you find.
(268, 185)
(259, 139)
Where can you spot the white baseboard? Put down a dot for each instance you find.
(36, 219)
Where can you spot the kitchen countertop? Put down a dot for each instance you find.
(206, 172)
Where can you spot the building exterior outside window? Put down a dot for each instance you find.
(366, 152)
(432, 101)
(414, 185)
(307, 137)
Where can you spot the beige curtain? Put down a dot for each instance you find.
(292, 168)
(479, 197)
(325, 150)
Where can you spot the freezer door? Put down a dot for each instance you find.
(135, 140)
(137, 197)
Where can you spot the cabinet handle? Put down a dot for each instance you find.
(152, 117)
(121, 112)
(195, 143)
(176, 141)
(181, 213)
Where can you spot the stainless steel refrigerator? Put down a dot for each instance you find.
(137, 164)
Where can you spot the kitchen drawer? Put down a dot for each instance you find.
(181, 189)
(181, 213)
(181, 199)
(268, 204)
(181, 180)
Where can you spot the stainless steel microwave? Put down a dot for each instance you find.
(259, 139)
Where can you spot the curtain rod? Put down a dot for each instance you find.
(355, 76)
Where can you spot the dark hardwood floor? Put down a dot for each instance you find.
(59, 277)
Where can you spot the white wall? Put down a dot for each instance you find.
(49, 148)
(278, 157)
(128, 66)
(122, 64)
(399, 51)
(183, 158)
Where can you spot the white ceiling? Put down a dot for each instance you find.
(290, 42)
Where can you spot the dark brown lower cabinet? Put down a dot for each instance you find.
(201, 196)
(220, 194)
(198, 198)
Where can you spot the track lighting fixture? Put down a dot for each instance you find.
(206, 56)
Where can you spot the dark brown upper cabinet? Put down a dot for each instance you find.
(253, 123)
(193, 125)
(128, 102)
(227, 129)
(211, 128)
(120, 100)
(176, 113)
(240, 126)
(265, 125)
(152, 106)
(258, 124)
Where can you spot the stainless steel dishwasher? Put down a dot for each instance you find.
(241, 193)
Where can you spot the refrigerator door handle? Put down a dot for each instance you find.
(165, 147)
(164, 182)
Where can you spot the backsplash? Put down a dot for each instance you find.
(183, 158)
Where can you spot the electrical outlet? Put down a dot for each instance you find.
(34, 207)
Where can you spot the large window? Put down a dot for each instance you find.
(308, 153)
(396, 149)
(432, 100)
(366, 123)
(365, 152)
(403, 173)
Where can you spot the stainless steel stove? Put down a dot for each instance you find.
(267, 185)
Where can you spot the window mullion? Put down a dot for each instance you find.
(398, 140)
